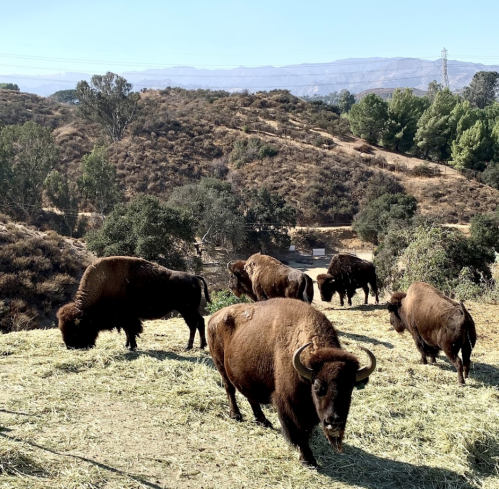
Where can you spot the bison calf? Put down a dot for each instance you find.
(436, 323)
(119, 291)
(285, 352)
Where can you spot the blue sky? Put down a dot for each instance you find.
(48, 36)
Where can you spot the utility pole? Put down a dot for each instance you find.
(444, 79)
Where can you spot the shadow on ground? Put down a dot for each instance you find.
(364, 339)
(204, 356)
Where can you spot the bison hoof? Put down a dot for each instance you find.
(310, 463)
(188, 347)
(236, 416)
(265, 423)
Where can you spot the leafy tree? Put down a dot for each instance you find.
(108, 100)
(373, 221)
(483, 89)
(64, 195)
(379, 184)
(434, 134)
(484, 230)
(214, 208)
(146, 229)
(65, 96)
(404, 111)
(433, 88)
(469, 149)
(491, 174)
(98, 181)
(27, 155)
(267, 218)
(346, 101)
(368, 117)
(9, 86)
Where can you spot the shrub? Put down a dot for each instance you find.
(425, 170)
(363, 148)
(224, 298)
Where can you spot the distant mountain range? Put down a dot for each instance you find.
(354, 74)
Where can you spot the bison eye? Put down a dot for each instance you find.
(319, 389)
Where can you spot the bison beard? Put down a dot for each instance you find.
(258, 349)
(118, 292)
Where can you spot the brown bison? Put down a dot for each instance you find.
(119, 291)
(285, 352)
(436, 323)
(345, 274)
(262, 277)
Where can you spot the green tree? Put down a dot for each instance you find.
(98, 182)
(109, 101)
(64, 195)
(433, 88)
(491, 175)
(434, 134)
(9, 86)
(484, 230)
(65, 96)
(267, 219)
(373, 221)
(404, 111)
(146, 229)
(346, 101)
(27, 155)
(368, 118)
(483, 89)
(469, 149)
(214, 208)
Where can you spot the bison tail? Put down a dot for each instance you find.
(308, 290)
(206, 293)
(470, 326)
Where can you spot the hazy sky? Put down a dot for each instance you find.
(94, 36)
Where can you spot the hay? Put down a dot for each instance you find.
(158, 417)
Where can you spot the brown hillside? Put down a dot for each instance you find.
(183, 135)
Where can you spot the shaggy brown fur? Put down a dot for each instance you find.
(252, 346)
(239, 281)
(270, 278)
(118, 292)
(345, 274)
(436, 323)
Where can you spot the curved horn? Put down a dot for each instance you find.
(306, 372)
(229, 266)
(365, 372)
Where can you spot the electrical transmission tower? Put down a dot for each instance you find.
(444, 79)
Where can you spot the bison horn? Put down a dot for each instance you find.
(229, 266)
(365, 372)
(306, 372)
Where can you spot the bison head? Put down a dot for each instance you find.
(239, 281)
(333, 373)
(76, 327)
(327, 286)
(394, 305)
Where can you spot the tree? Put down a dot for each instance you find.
(372, 222)
(9, 86)
(64, 195)
(434, 134)
(491, 174)
(65, 97)
(346, 101)
(368, 117)
(27, 155)
(433, 88)
(98, 181)
(483, 89)
(146, 229)
(404, 111)
(109, 101)
(484, 230)
(469, 149)
(214, 208)
(267, 218)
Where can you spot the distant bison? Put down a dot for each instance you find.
(436, 323)
(287, 353)
(262, 277)
(345, 274)
(118, 292)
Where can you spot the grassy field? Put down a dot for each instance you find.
(157, 418)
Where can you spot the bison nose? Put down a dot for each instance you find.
(332, 421)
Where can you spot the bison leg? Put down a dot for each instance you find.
(466, 353)
(454, 358)
(299, 438)
(133, 327)
(365, 288)
(342, 298)
(259, 416)
(194, 321)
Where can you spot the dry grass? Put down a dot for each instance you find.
(157, 418)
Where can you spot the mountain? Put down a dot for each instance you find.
(354, 74)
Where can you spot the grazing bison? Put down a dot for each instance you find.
(436, 323)
(285, 352)
(119, 291)
(262, 277)
(345, 274)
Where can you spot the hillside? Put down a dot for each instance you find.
(182, 135)
(157, 418)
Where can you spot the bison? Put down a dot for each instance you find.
(345, 274)
(262, 277)
(436, 323)
(285, 352)
(119, 291)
